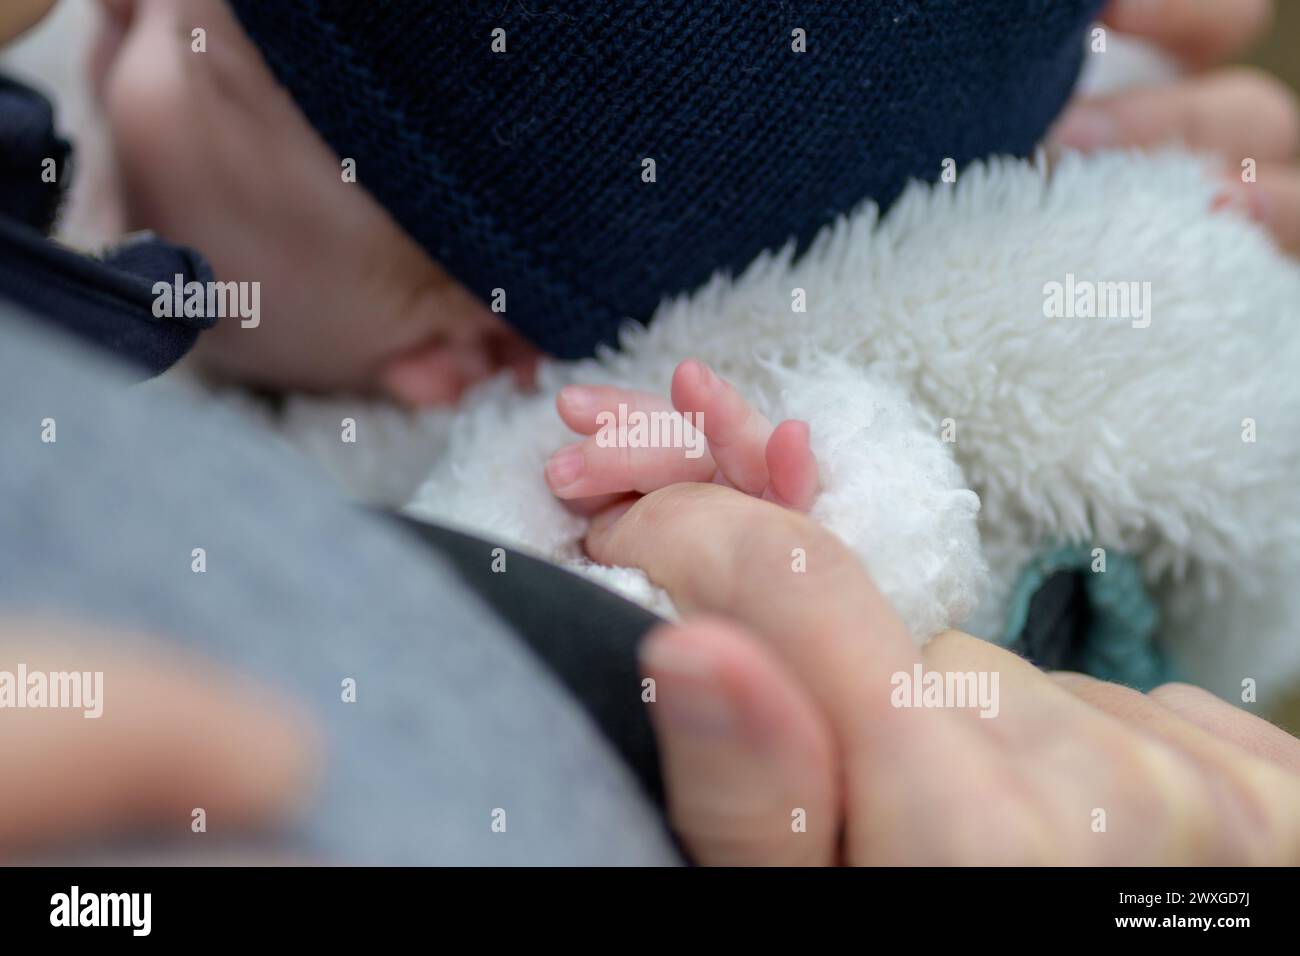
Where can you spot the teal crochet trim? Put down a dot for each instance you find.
(1120, 642)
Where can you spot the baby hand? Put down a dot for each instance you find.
(739, 447)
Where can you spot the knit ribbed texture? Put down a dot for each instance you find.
(522, 170)
(1119, 641)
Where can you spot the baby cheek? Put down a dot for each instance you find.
(155, 134)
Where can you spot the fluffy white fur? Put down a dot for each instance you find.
(1082, 429)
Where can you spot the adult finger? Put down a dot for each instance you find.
(748, 760)
(719, 551)
(1244, 730)
(1060, 758)
(1258, 803)
(1145, 711)
(171, 738)
(750, 764)
(1234, 112)
(1197, 32)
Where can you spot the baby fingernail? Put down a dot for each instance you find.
(702, 374)
(576, 397)
(687, 698)
(1087, 127)
(564, 467)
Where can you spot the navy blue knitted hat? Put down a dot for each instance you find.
(510, 138)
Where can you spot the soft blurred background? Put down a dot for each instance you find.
(52, 57)
(1279, 52)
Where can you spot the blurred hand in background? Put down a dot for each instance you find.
(1235, 112)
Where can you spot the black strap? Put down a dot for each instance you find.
(108, 303)
(584, 633)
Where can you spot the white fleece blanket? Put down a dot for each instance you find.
(959, 428)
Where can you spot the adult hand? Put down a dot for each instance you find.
(782, 744)
(169, 738)
(1238, 113)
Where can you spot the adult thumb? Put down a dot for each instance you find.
(748, 759)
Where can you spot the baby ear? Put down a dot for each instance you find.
(440, 369)
(435, 372)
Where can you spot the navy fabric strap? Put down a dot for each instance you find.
(28, 142)
(107, 302)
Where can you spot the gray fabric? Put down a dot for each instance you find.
(453, 717)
